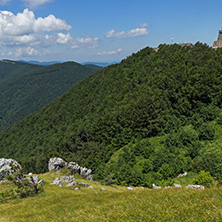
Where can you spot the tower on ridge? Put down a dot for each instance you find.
(218, 43)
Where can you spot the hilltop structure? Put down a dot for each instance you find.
(218, 43)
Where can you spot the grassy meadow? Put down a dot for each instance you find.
(115, 204)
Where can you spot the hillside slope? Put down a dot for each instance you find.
(115, 204)
(11, 69)
(27, 88)
(153, 114)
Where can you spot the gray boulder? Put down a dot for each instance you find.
(5, 167)
(74, 167)
(57, 182)
(73, 183)
(67, 179)
(33, 180)
(83, 171)
(86, 173)
(56, 163)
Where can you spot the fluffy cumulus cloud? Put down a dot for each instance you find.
(139, 31)
(29, 33)
(34, 3)
(24, 28)
(114, 52)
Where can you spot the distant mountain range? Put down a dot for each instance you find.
(99, 64)
(41, 63)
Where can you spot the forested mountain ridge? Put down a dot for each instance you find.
(11, 69)
(145, 120)
(25, 88)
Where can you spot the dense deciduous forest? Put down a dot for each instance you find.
(145, 120)
(25, 88)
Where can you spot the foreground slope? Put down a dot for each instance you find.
(115, 204)
(148, 118)
(27, 88)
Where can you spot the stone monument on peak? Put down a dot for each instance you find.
(218, 43)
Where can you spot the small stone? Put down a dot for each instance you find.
(103, 189)
(91, 187)
(71, 184)
(30, 174)
(201, 187)
(41, 182)
(156, 187)
(57, 182)
(130, 188)
(177, 186)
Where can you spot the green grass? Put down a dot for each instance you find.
(115, 204)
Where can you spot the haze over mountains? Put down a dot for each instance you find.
(145, 120)
(25, 88)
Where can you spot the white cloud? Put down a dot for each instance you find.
(29, 51)
(87, 42)
(140, 31)
(24, 28)
(64, 38)
(35, 3)
(110, 52)
(79, 42)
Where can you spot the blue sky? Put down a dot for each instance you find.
(101, 31)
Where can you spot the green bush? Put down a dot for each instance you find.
(204, 178)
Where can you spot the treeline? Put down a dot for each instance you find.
(111, 121)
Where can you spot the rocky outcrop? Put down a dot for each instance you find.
(66, 179)
(58, 163)
(6, 167)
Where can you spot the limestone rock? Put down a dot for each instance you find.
(86, 173)
(201, 187)
(41, 182)
(57, 182)
(5, 166)
(156, 187)
(56, 163)
(103, 189)
(83, 171)
(73, 183)
(67, 179)
(177, 186)
(73, 167)
(130, 188)
(182, 175)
